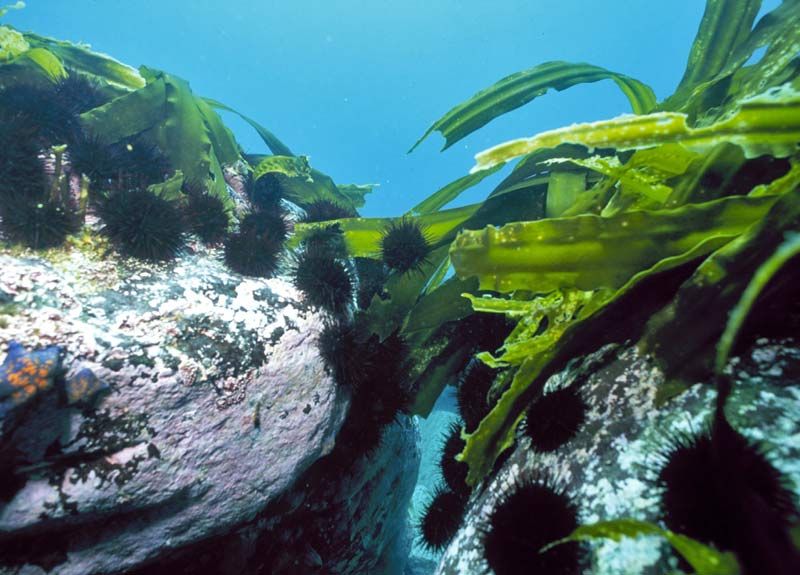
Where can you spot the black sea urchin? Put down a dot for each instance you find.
(36, 224)
(142, 225)
(342, 346)
(404, 246)
(267, 191)
(21, 171)
(441, 519)
(142, 163)
(78, 94)
(51, 120)
(371, 280)
(555, 418)
(91, 156)
(721, 490)
(326, 240)
(454, 472)
(325, 281)
(532, 516)
(206, 216)
(255, 249)
(324, 210)
(473, 388)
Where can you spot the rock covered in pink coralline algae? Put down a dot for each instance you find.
(217, 402)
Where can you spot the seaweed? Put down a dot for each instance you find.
(682, 200)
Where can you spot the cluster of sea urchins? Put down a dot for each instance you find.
(46, 150)
(373, 372)
(322, 272)
(36, 208)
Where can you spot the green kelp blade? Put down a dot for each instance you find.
(612, 316)
(769, 123)
(271, 140)
(518, 89)
(725, 25)
(357, 193)
(590, 252)
(788, 250)
(704, 560)
(450, 192)
(385, 316)
(104, 68)
(166, 113)
(363, 235)
(557, 309)
(222, 139)
(778, 31)
(127, 115)
(683, 346)
(289, 166)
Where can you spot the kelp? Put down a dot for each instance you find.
(557, 253)
(167, 114)
(518, 89)
(102, 68)
(305, 185)
(275, 145)
(703, 559)
(607, 317)
(725, 25)
(450, 192)
(767, 124)
(686, 353)
(785, 252)
(363, 235)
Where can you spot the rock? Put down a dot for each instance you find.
(610, 468)
(348, 519)
(433, 430)
(216, 401)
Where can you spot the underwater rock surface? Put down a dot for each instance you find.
(217, 402)
(610, 468)
(349, 519)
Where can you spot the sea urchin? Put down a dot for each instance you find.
(142, 224)
(441, 519)
(404, 246)
(555, 418)
(532, 516)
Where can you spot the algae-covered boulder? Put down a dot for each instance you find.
(182, 402)
(610, 469)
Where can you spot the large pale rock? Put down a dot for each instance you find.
(218, 402)
(610, 468)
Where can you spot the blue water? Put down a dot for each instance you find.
(354, 83)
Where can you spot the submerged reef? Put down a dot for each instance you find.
(213, 363)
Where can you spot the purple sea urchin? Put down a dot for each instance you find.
(555, 418)
(441, 519)
(325, 210)
(341, 346)
(532, 516)
(206, 216)
(325, 281)
(142, 224)
(721, 490)
(267, 191)
(36, 224)
(254, 250)
(404, 246)
(79, 94)
(327, 239)
(454, 472)
(473, 388)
